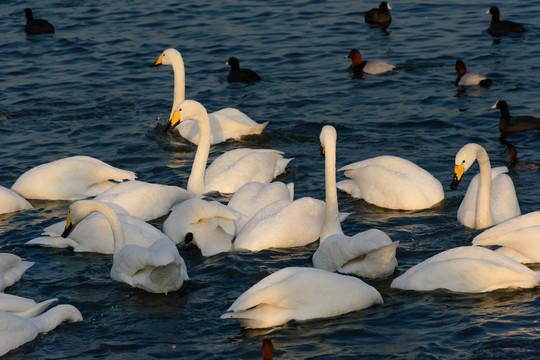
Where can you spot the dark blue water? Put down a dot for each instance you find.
(88, 90)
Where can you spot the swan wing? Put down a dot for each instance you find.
(70, 178)
(12, 268)
(283, 224)
(504, 202)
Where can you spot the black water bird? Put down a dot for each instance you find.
(379, 16)
(511, 124)
(502, 28)
(36, 26)
(240, 75)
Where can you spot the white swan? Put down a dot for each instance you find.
(144, 200)
(70, 178)
(471, 269)
(392, 182)
(297, 293)
(157, 269)
(22, 306)
(10, 201)
(208, 224)
(253, 196)
(228, 123)
(491, 196)
(370, 253)
(230, 170)
(517, 238)
(12, 268)
(18, 330)
(282, 224)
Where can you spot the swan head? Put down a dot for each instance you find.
(328, 136)
(168, 57)
(188, 109)
(464, 159)
(77, 212)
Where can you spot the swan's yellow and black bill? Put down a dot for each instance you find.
(69, 227)
(458, 173)
(175, 120)
(158, 62)
(322, 150)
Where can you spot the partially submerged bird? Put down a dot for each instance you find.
(361, 66)
(467, 79)
(237, 74)
(515, 163)
(499, 27)
(379, 16)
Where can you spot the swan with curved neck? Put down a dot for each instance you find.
(480, 208)
(230, 170)
(370, 253)
(227, 123)
(157, 269)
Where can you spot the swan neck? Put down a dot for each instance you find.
(331, 222)
(196, 181)
(179, 84)
(114, 221)
(484, 218)
(53, 317)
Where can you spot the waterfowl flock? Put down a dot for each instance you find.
(110, 213)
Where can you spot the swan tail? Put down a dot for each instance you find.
(14, 273)
(37, 309)
(350, 187)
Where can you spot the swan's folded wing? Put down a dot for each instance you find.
(504, 202)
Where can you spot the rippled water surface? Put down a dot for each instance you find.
(88, 90)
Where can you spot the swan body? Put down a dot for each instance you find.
(282, 224)
(144, 200)
(18, 330)
(253, 196)
(491, 197)
(12, 268)
(470, 269)
(468, 79)
(158, 268)
(232, 169)
(370, 253)
(94, 234)
(71, 178)
(22, 306)
(225, 124)
(211, 225)
(517, 237)
(10, 201)
(297, 293)
(371, 67)
(392, 182)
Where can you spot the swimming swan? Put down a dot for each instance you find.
(12, 268)
(253, 196)
(18, 330)
(227, 123)
(392, 182)
(297, 293)
(230, 170)
(144, 200)
(491, 202)
(370, 253)
(517, 238)
(10, 201)
(71, 178)
(208, 224)
(20, 306)
(157, 269)
(470, 269)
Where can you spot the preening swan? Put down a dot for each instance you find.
(370, 253)
(471, 269)
(297, 293)
(253, 196)
(392, 182)
(157, 269)
(227, 123)
(208, 224)
(491, 196)
(10, 201)
(12, 268)
(71, 178)
(230, 170)
(144, 200)
(18, 330)
(517, 237)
